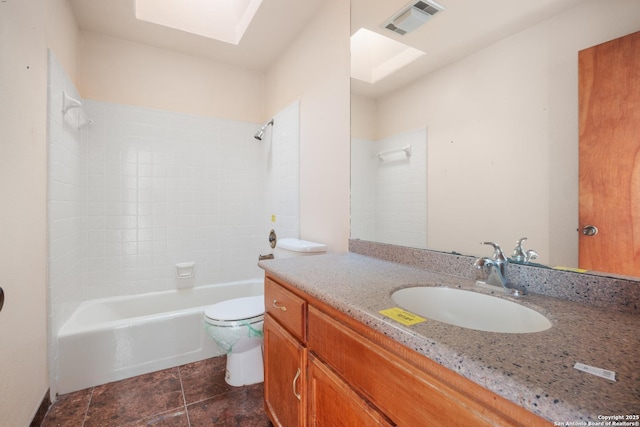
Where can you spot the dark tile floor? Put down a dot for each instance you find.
(192, 395)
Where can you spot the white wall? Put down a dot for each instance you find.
(315, 69)
(364, 123)
(28, 27)
(123, 72)
(519, 97)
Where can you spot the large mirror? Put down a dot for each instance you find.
(477, 138)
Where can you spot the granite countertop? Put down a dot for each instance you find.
(532, 370)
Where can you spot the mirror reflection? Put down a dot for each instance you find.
(493, 109)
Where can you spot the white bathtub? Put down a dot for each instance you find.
(111, 339)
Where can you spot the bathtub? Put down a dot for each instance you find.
(110, 339)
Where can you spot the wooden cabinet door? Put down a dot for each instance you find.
(332, 403)
(285, 360)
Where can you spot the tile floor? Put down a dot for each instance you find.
(192, 395)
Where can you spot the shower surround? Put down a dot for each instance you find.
(389, 195)
(164, 188)
(140, 190)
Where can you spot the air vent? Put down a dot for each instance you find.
(395, 29)
(428, 8)
(412, 17)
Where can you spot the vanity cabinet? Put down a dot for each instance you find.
(356, 376)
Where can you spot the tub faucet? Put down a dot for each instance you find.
(497, 266)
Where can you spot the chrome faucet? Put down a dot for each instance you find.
(497, 266)
(498, 256)
(520, 255)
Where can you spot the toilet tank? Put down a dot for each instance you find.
(290, 247)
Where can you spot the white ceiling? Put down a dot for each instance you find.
(462, 28)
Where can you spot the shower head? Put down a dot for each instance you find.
(260, 133)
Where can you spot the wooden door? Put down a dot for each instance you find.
(609, 156)
(285, 361)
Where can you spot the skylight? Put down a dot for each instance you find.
(224, 20)
(374, 56)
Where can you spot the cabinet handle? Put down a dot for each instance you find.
(295, 379)
(279, 307)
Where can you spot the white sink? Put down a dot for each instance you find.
(470, 310)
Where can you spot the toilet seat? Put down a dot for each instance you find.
(245, 310)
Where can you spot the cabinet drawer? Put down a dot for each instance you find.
(286, 308)
(405, 393)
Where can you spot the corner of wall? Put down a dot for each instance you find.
(316, 69)
(62, 36)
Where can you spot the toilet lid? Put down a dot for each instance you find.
(236, 309)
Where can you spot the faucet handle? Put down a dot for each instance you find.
(498, 255)
(531, 255)
(518, 253)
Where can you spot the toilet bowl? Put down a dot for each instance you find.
(236, 326)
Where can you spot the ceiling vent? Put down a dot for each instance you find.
(412, 16)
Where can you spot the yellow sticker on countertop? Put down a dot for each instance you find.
(402, 316)
(575, 270)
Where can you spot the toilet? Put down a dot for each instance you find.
(290, 248)
(236, 325)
